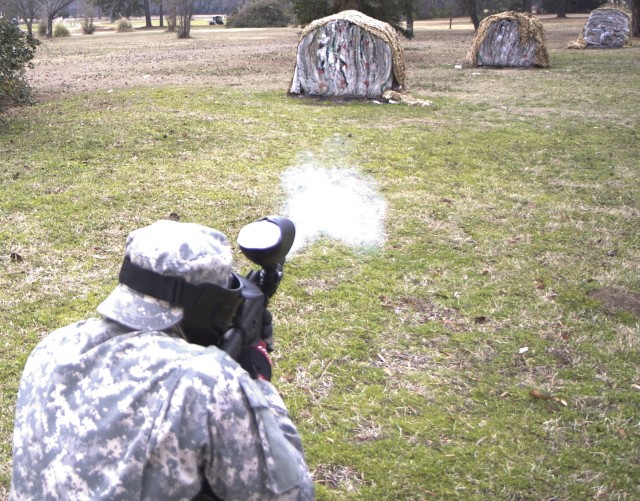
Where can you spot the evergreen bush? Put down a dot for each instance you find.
(17, 49)
(383, 10)
(261, 14)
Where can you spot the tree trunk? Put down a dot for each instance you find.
(185, 13)
(409, 23)
(527, 5)
(475, 19)
(635, 18)
(471, 7)
(27, 11)
(562, 9)
(147, 14)
(172, 14)
(161, 16)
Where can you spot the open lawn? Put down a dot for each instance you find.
(488, 348)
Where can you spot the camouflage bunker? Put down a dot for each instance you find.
(350, 55)
(509, 39)
(606, 29)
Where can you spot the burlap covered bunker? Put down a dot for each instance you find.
(350, 55)
(606, 28)
(509, 39)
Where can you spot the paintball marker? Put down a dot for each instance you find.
(266, 243)
(229, 317)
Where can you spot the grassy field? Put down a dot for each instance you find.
(488, 349)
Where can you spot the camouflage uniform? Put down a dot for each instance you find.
(105, 411)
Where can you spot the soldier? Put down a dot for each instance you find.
(125, 407)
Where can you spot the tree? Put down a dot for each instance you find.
(389, 11)
(52, 9)
(28, 11)
(472, 10)
(635, 18)
(147, 14)
(184, 12)
(17, 49)
(86, 9)
(561, 11)
(409, 8)
(171, 14)
(307, 11)
(260, 14)
(119, 8)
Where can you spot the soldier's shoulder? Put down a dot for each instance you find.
(212, 362)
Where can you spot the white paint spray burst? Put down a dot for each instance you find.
(337, 203)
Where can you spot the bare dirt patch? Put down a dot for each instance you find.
(107, 60)
(246, 58)
(618, 300)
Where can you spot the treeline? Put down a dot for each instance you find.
(396, 12)
(313, 9)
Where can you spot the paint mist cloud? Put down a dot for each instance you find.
(336, 203)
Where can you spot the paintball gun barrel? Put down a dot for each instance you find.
(266, 243)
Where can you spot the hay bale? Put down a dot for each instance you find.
(509, 39)
(606, 28)
(348, 54)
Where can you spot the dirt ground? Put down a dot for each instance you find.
(245, 58)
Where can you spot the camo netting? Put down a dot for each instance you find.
(380, 29)
(606, 28)
(496, 44)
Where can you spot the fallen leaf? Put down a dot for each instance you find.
(537, 394)
(544, 396)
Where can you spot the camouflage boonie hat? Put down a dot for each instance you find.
(194, 252)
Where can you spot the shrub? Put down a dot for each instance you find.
(306, 11)
(88, 28)
(60, 30)
(124, 26)
(261, 14)
(17, 49)
(42, 29)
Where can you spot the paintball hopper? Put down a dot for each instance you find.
(267, 241)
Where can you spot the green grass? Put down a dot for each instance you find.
(404, 367)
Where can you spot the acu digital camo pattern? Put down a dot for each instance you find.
(197, 253)
(106, 413)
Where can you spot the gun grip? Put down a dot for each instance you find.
(232, 342)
